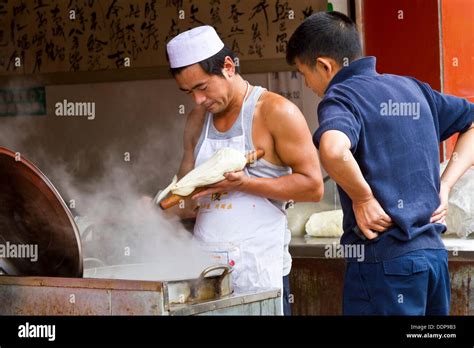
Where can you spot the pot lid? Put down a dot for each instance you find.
(38, 235)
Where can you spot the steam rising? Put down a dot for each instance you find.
(117, 226)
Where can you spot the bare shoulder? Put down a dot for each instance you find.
(274, 107)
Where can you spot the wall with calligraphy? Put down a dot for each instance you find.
(45, 36)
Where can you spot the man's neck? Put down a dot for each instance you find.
(224, 120)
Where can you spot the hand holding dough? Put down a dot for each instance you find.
(223, 161)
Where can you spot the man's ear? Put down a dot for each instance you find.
(229, 67)
(328, 65)
(325, 64)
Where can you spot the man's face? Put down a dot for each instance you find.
(210, 91)
(316, 78)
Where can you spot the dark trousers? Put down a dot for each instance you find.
(286, 295)
(416, 283)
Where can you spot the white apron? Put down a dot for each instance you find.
(241, 229)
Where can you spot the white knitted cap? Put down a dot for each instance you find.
(193, 46)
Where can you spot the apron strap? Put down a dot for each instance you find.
(208, 124)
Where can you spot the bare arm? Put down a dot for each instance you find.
(462, 159)
(341, 165)
(293, 145)
(460, 162)
(194, 123)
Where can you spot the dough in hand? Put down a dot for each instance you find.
(325, 224)
(223, 161)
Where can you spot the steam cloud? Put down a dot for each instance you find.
(117, 226)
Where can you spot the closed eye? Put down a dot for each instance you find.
(200, 87)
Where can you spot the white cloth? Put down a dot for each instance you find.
(244, 230)
(193, 46)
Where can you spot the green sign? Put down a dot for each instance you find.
(22, 101)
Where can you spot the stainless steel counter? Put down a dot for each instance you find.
(459, 249)
(80, 296)
(259, 303)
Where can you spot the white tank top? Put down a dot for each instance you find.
(262, 168)
(241, 229)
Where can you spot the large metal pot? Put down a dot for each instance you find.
(207, 286)
(33, 215)
(33, 212)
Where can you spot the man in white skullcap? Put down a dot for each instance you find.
(242, 219)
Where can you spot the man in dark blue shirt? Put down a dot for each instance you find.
(379, 138)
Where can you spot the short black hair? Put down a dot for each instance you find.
(324, 34)
(213, 65)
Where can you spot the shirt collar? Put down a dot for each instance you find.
(361, 66)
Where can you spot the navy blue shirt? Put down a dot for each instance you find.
(395, 125)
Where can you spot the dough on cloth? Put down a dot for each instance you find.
(223, 161)
(325, 224)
